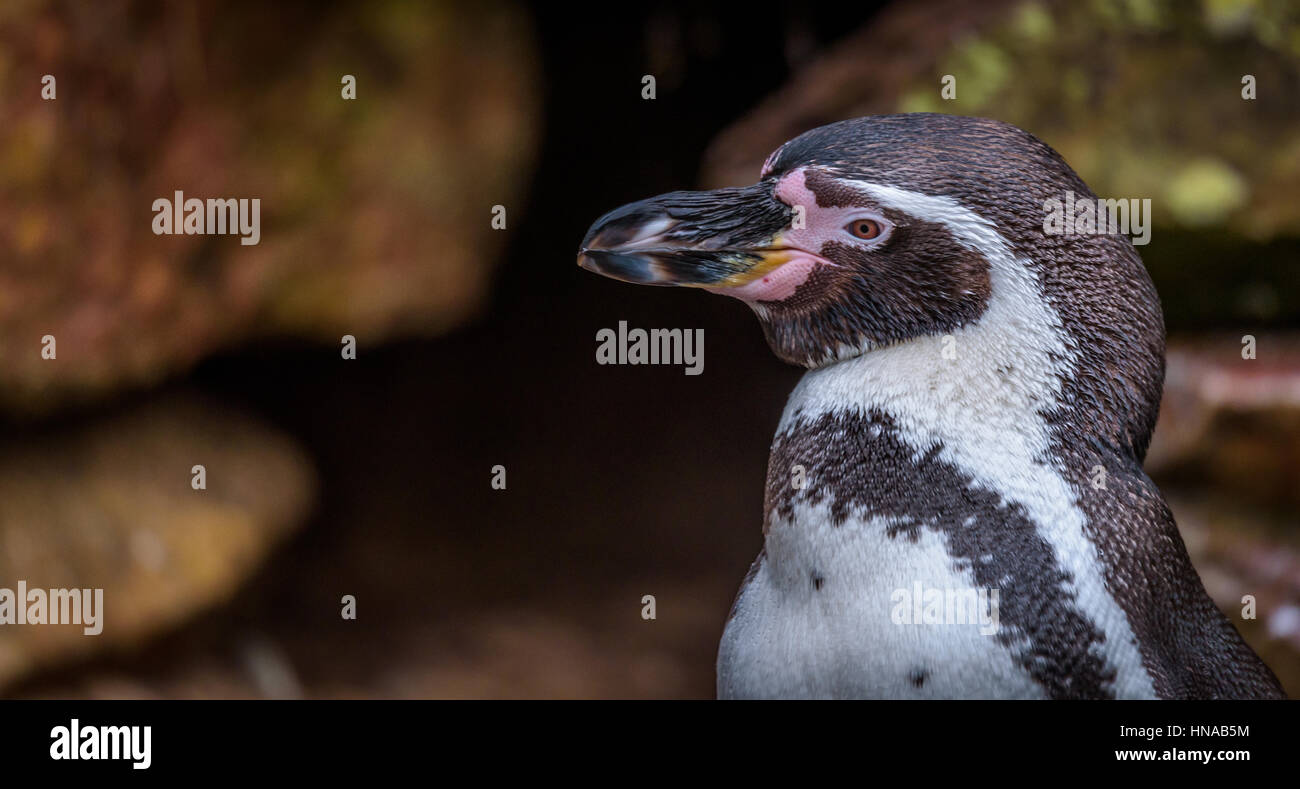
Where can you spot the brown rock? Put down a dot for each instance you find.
(375, 213)
(111, 506)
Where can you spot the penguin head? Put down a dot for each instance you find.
(880, 230)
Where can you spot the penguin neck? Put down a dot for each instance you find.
(986, 385)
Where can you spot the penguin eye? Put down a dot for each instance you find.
(865, 229)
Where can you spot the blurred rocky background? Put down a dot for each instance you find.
(373, 207)
(370, 477)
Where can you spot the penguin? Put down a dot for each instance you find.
(955, 503)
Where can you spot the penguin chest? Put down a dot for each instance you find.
(860, 610)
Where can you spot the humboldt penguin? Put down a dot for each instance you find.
(955, 503)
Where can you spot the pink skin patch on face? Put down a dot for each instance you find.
(800, 245)
(793, 189)
(778, 284)
(823, 224)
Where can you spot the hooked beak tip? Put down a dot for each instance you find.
(624, 265)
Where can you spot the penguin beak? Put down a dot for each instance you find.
(716, 240)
